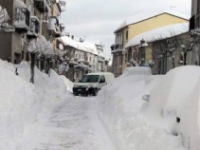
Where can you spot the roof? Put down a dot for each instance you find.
(159, 33)
(147, 15)
(83, 46)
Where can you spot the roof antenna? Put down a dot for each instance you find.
(172, 7)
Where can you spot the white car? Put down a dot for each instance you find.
(92, 83)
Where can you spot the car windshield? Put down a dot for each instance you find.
(90, 79)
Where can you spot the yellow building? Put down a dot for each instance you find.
(136, 25)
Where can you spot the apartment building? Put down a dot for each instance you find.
(29, 18)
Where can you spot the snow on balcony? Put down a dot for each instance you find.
(4, 17)
(54, 26)
(19, 4)
(34, 27)
(62, 5)
(22, 18)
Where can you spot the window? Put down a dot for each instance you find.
(90, 79)
(127, 35)
(102, 80)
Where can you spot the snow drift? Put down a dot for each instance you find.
(178, 96)
(135, 124)
(22, 102)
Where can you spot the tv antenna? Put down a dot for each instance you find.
(172, 7)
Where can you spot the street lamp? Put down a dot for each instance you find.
(142, 52)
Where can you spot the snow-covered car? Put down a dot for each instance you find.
(91, 83)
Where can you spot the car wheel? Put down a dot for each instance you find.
(95, 92)
(75, 94)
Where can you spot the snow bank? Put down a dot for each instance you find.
(132, 121)
(19, 106)
(54, 83)
(189, 115)
(22, 102)
(178, 96)
(137, 71)
(171, 93)
(122, 110)
(135, 124)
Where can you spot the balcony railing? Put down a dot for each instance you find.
(34, 27)
(116, 48)
(22, 19)
(43, 5)
(101, 59)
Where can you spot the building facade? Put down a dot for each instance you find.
(82, 58)
(29, 19)
(101, 66)
(195, 19)
(134, 26)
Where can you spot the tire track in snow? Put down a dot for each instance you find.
(73, 125)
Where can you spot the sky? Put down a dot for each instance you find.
(96, 20)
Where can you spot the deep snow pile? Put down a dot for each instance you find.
(178, 96)
(22, 103)
(56, 84)
(135, 124)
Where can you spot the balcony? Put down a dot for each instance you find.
(74, 61)
(62, 4)
(116, 48)
(83, 65)
(54, 27)
(34, 27)
(45, 30)
(22, 19)
(101, 59)
(42, 5)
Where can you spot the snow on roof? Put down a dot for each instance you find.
(159, 33)
(146, 15)
(84, 46)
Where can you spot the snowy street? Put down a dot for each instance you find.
(99, 75)
(42, 117)
(72, 125)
